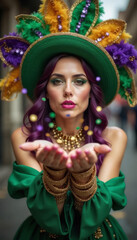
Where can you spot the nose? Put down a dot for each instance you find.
(68, 90)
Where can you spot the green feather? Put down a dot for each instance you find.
(125, 82)
(27, 27)
(86, 24)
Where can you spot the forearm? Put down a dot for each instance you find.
(56, 182)
(83, 186)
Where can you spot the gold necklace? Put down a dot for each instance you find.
(68, 142)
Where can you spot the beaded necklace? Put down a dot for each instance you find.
(68, 142)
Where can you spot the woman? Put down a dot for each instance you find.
(69, 91)
(67, 159)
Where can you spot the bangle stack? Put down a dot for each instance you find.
(56, 182)
(83, 192)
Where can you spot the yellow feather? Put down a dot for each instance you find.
(52, 10)
(9, 85)
(42, 7)
(108, 32)
(126, 36)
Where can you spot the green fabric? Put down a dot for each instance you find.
(27, 182)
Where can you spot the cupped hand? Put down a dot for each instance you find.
(53, 157)
(82, 159)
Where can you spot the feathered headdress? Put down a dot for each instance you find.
(103, 44)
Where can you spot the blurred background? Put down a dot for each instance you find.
(13, 212)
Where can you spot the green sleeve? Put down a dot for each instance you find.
(108, 195)
(27, 182)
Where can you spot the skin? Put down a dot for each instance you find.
(65, 83)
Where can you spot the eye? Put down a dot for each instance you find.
(56, 81)
(80, 81)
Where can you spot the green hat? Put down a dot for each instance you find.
(79, 31)
(41, 51)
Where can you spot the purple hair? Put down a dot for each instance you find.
(42, 109)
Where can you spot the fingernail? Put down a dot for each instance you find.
(65, 157)
(110, 149)
(46, 148)
(79, 151)
(55, 147)
(73, 156)
(87, 151)
(69, 165)
(59, 151)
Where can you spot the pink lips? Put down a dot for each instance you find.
(68, 104)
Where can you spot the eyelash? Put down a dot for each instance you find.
(78, 82)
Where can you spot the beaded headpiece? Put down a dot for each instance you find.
(80, 26)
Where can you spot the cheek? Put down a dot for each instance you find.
(84, 95)
(52, 94)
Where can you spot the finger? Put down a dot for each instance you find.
(63, 161)
(58, 157)
(42, 154)
(83, 160)
(75, 163)
(50, 153)
(69, 163)
(29, 146)
(91, 156)
(103, 148)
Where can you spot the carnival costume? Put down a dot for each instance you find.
(80, 32)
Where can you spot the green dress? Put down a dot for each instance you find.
(94, 222)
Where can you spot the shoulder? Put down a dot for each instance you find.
(20, 135)
(112, 134)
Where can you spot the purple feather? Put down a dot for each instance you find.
(124, 54)
(13, 34)
(13, 49)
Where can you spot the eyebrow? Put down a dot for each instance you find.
(75, 75)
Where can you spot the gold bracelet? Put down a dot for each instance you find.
(60, 198)
(55, 173)
(87, 173)
(83, 195)
(57, 188)
(79, 199)
(82, 186)
(55, 194)
(57, 183)
(84, 192)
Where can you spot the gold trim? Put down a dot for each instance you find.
(2, 58)
(133, 89)
(82, 37)
(96, 17)
(74, 5)
(30, 17)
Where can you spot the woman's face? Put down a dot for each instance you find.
(68, 89)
